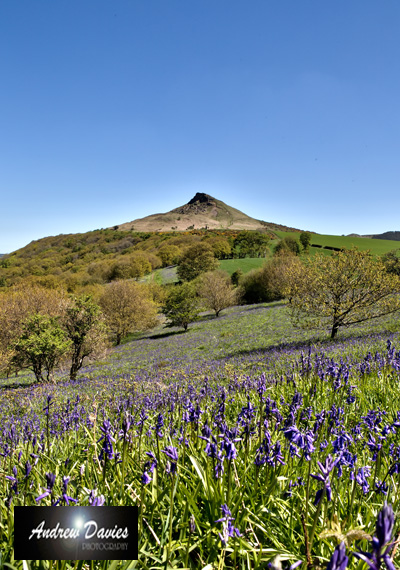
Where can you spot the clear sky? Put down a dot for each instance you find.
(110, 110)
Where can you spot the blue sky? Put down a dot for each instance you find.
(116, 109)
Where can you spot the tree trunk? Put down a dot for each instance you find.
(335, 329)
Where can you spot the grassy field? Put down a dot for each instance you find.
(376, 246)
(243, 439)
(168, 274)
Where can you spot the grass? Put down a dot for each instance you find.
(376, 246)
(168, 274)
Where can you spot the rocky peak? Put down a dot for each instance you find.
(201, 198)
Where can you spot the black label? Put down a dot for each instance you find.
(76, 533)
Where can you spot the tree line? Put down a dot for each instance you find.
(43, 329)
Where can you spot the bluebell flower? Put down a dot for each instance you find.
(172, 453)
(339, 559)
(64, 497)
(51, 479)
(228, 530)
(326, 469)
(361, 477)
(382, 543)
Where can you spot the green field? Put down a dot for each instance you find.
(246, 264)
(376, 246)
(168, 274)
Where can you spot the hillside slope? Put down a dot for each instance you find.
(201, 212)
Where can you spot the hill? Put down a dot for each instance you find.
(201, 212)
(394, 236)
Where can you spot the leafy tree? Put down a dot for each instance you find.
(41, 346)
(220, 246)
(127, 308)
(251, 244)
(16, 305)
(198, 259)
(391, 259)
(217, 291)
(287, 244)
(84, 325)
(236, 276)
(169, 254)
(346, 288)
(181, 305)
(305, 240)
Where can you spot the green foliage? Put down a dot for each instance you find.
(251, 244)
(198, 259)
(181, 306)
(41, 346)
(346, 288)
(391, 259)
(86, 330)
(288, 244)
(236, 276)
(220, 246)
(169, 254)
(305, 240)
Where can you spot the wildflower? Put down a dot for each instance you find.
(361, 478)
(145, 478)
(172, 453)
(94, 500)
(228, 530)
(46, 409)
(159, 425)
(381, 543)
(64, 497)
(107, 448)
(14, 480)
(330, 463)
(126, 426)
(338, 560)
(51, 479)
(28, 469)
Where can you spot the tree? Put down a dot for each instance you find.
(84, 325)
(169, 254)
(41, 346)
(287, 244)
(127, 308)
(305, 240)
(181, 305)
(198, 259)
(16, 305)
(220, 246)
(344, 289)
(391, 259)
(217, 291)
(236, 276)
(251, 244)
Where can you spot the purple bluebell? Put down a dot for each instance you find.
(361, 477)
(339, 559)
(64, 496)
(326, 469)
(228, 530)
(51, 479)
(382, 543)
(172, 453)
